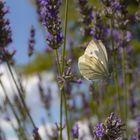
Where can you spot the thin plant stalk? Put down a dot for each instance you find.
(101, 96)
(61, 114)
(19, 132)
(58, 63)
(115, 67)
(14, 112)
(20, 95)
(66, 114)
(65, 35)
(99, 102)
(12, 108)
(61, 95)
(125, 90)
(63, 66)
(124, 86)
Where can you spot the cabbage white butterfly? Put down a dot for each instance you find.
(93, 64)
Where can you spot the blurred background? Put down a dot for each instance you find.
(37, 74)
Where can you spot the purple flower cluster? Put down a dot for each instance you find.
(48, 11)
(99, 130)
(5, 30)
(5, 35)
(36, 135)
(87, 16)
(114, 126)
(114, 7)
(136, 135)
(97, 21)
(111, 129)
(31, 42)
(75, 131)
(46, 98)
(99, 30)
(91, 19)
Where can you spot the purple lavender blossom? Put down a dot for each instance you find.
(137, 129)
(99, 31)
(79, 81)
(133, 138)
(128, 36)
(7, 55)
(5, 30)
(136, 135)
(31, 42)
(116, 35)
(138, 120)
(86, 12)
(115, 5)
(75, 131)
(48, 11)
(114, 126)
(36, 134)
(99, 130)
(5, 34)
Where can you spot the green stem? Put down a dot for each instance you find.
(66, 114)
(12, 108)
(99, 102)
(63, 66)
(61, 95)
(57, 60)
(124, 86)
(61, 114)
(20, 95)
(115, 67)
(22, 134)
(65, 35)
(19, 132)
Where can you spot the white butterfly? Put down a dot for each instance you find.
(93, 64)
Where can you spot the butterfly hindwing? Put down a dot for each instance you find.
(89, 68)
(99, 67)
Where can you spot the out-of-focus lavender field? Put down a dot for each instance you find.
(43, 95)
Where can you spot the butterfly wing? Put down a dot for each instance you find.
(91, 68)
(103, 49)
(97, 50)
(103, 53)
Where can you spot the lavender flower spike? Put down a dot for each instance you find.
(5, 34)
(99, 130)
(49, 15)
(5, 30)
(86, 12)
(31, 42)
(75, 131)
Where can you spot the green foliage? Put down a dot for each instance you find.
(136, 46)
(42, 61)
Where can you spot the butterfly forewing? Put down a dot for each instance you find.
(97, 50)
(104, 53)
(93, 65)
(103, 48)
(92, 49)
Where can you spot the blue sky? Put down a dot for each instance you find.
(22, 16)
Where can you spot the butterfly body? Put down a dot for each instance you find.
(93, 64)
